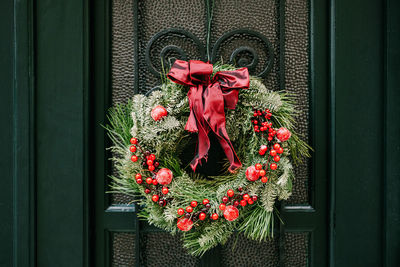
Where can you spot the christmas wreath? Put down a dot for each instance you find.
(255, 128)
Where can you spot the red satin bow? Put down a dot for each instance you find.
(207, 99)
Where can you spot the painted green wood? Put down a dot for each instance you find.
(61, 133)
(358, 84)
(391, 246)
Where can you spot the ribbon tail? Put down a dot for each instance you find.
(227, 146)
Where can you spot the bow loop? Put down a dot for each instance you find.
(207, 100)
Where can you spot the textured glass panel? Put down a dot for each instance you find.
(163, 249)
(296, 249)
(296, 79)
(240, 251)
(123, 249)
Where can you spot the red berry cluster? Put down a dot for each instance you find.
(240, 198)
(191, 215)
(150, 183)
(262, 123)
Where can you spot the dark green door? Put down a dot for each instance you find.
(64, 63)
(275, 39)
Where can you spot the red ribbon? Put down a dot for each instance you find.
(207, 99)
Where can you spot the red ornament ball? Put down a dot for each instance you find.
(164, 176)
(202, 216)
(205, 201)
(252, 174)
(277, 158)
(231, 213)
(193, 204)
(181, 211)
(258, 166)
(158, 113)
(273, 166)
(133, 141)
(189, 209)
(132, 149)
(184, 224)
(230, 193)
(214, 216)
(155, 198)
(165, 190)
(283, 134)
(222, 206)
(262, 150)
(134, 158)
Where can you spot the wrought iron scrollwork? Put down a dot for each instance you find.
(244, 62)
(171, 48)
(235, 58)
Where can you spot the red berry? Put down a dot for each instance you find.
(231, 213)
(132, 149)
(236, 203)
(243, 203)
(155, 182)
(151, 168)
(181, 211)
(155, 198)
(276, 146)
(193, 204)
(222, 206)
(230, 193)
(164, 176)
(252, 174)
(280, 150)
(255, 121)
(134, 158)
(272, 152)
(214, 216)
(149, 162)
(262, 150)
(184, 224)
(246, 196)
(202, 216)
(139, 181)
(258, 166)
(273, 166)
(149, 180)
(138, 176)
(133, 141)
(205, 201)
(277, 158)
(254, 198)
(189, 209)
(283, 134)
(264, 179)
(158, 112)
(269, 138)
(165, 190)
(225, 199)
(250, 201)
(262, 173)
(147, 191)
(152, 157)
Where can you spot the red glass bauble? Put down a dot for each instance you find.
(184, 224)
(158, 113)
(283, 134)
(164, 176)
(231, 213)
(252, 174)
